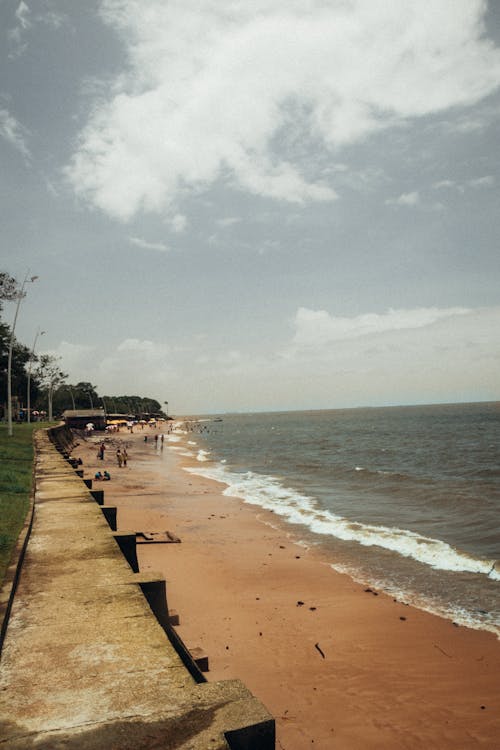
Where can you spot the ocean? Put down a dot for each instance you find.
(404, 499)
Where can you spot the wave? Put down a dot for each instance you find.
(269, 493)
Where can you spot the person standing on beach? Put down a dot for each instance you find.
(100, 452)
(119, 458)
(124, 456)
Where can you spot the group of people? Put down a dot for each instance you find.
(104, 476)
(121, 456)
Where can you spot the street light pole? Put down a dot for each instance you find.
(72, 397)
(11, 346)
(32, 355)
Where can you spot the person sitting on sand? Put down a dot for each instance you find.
(98, 475)
(106, 476)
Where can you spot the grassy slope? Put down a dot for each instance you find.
(16, 467)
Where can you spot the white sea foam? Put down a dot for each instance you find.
(269, 493)
(203, 455)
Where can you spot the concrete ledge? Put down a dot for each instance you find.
(109, 513)
(86, 664)
(126, 542)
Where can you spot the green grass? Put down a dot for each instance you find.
(16, 467)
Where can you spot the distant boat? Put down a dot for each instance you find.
(218, 419)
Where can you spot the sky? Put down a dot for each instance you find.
(234, 206)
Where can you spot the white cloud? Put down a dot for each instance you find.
(482, 182)
(145, 245)
(211, 87)
(76, 359)
(13, 132)
(401, 356)
(178, 223)
(17, 32)
(487, 181)
(143, 347)
(315, 328)
(120, 367)
(444, 184)
(26, 18)
(405, 199)
(229, 221)
(22, 15)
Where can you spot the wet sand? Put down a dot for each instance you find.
(339, 666)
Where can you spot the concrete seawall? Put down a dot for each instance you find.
(89, 659)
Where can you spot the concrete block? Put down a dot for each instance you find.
(126, 542)
(173, 617)
(109, 513)
(200, 658)
(98, 496)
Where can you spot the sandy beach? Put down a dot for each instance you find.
(338, 664)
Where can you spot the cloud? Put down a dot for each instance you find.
(210, 91)
(488, 181)
(22, 14)
(26, 18)
(142, 347)
(229, 221)
(13, 132)
(444, 184)
(118, 367)
(315, 328)
(405, 199)
(482, 182)
(17, 32)
(178, 223)
(401, 356)
(145, 245)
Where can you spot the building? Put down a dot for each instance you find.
(78, 419)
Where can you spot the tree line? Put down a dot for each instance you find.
(39, 381)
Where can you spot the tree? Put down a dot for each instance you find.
(86, 395)
(20, 358)
(9, 287)
(83, 395)
(50, 376)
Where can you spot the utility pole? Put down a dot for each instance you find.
(32, 355)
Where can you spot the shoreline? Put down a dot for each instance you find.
(334, 662)
(344, 565)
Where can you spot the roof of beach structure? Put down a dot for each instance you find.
(72, 413)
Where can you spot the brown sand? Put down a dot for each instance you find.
(338, 666)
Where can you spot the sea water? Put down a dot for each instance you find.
(405, 499)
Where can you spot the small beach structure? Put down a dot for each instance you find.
(77, 419)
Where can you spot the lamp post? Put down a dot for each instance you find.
(32, 355)
(72, 397)
(11, 346)
(166, 404)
